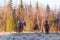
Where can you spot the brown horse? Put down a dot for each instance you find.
(20, 25)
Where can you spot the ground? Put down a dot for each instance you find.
(29, 36)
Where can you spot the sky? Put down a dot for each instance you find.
(52, 3)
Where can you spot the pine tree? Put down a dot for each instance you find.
(21, 4)
(37, 15)
(19, 9)
(37, 12)
(10, 26)
(28, 18)
(58, 21)
(47, 11)
(51, 21)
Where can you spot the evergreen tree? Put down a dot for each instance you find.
(28, 19)
(47, 11)
(51, 21)
(58, 16)
(10, 25)
(21, 4)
